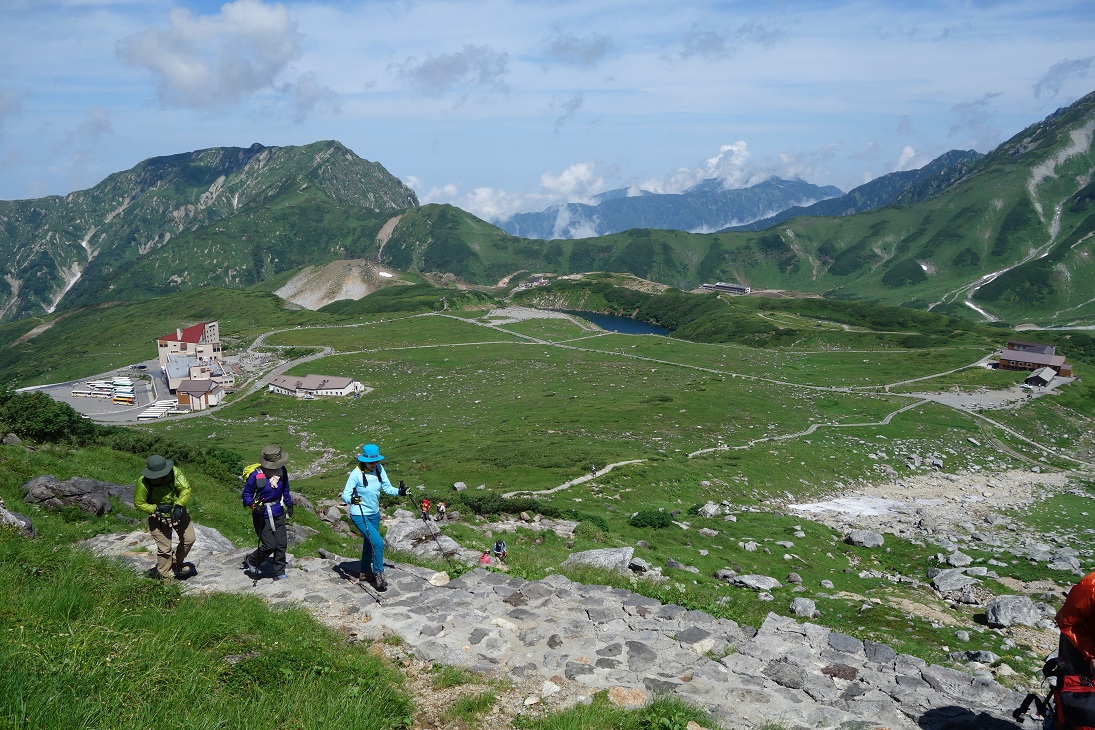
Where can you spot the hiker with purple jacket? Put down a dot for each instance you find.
(266, 492)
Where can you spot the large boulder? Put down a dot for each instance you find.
(1003, 611)
(90, 495)
(865, 538)
(710, 510)
(756, 582)
(616, 559)
(427, 540)
(954, 579)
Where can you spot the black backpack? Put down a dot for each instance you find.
(1070, 704)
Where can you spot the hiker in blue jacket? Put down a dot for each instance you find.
(266, 492)
(362, 493)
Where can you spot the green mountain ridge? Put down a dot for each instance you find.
(1010, 240)
(128, 236)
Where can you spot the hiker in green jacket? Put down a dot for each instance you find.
(162, 491)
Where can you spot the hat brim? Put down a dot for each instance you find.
(274, 464)
(372, 460)
(161, 473)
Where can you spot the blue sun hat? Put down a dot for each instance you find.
(370, 452)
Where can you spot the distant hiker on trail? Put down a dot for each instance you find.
(500, 550)
(266, 492)
(362, 493)
(424, 505)
(162, 492)
(440, 511)
(1076, 619)
(593, 470)
(484, 559)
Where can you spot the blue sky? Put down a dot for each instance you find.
(500, 106)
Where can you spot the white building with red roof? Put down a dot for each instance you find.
(201, 341)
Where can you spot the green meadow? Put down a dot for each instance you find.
(527, 406)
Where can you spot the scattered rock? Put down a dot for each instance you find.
(756, 582)
(805, 608)
(20, 522)
(865, 538)
(1003, 611)
(90, 495)
(617, 559)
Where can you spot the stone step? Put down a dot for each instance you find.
(797, 675)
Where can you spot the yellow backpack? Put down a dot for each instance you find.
(248, 469)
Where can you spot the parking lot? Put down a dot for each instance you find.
(149, 385)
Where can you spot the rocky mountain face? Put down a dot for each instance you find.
(900, 188)
(705, 207)
(133, 233)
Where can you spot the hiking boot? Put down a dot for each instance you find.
(248, 566)
(381, 582)
(186, 571)
(281, 576)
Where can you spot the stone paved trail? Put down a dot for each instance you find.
(569, 640)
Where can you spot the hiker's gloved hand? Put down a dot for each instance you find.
(163, 509)
(289, 510)
(178, 513)
(402, 488)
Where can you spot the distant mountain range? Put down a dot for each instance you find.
(899, 188)
(703, 208)
(1010, 235)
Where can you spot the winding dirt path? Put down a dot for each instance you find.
(572, 482)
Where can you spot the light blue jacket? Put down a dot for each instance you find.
(367, 486)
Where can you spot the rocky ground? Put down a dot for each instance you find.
(979, 511)
(552, 643)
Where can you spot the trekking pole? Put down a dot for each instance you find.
(403, 485)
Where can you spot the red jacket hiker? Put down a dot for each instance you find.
(1076, 619)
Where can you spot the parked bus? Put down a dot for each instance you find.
(91, 394)
(124, 400)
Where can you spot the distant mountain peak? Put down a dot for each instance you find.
(706, 206)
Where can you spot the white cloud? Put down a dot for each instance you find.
(974, 121)
(306, 97)
(473, 66)
(907, 159)
(729, 165)
(1060, 73)
(566, 109)
(213, 61)
(576, 184)
(583, 52)
(703, 42)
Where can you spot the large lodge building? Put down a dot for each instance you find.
(1021, 355)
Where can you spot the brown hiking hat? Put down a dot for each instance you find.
(156, 466)
(273, 457)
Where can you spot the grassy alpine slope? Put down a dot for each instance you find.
(526, 405)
